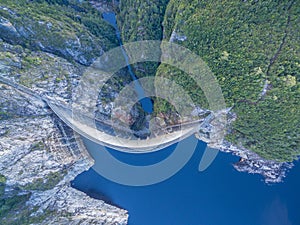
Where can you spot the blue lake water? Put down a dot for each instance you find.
(218, 196)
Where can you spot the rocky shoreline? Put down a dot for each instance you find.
(250, 162)
(41, 164)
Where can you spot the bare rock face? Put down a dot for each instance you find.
(7, 28)
(44, 162)
(177, 37)
(39, 156)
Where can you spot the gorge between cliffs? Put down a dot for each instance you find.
(46, 47)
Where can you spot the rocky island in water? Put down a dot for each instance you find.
(45, 47)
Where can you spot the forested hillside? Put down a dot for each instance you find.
(253, 49)
(142, 20)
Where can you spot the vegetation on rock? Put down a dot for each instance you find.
(73, 30)
(13, 209)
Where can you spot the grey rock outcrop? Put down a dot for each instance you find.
(39, 155)
(44, 162)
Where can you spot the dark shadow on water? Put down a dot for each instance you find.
(96, 194)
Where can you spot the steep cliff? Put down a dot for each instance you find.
(45, 47)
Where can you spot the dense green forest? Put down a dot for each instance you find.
(142, 20)
(249, 46)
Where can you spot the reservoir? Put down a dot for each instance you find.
(219, 195)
